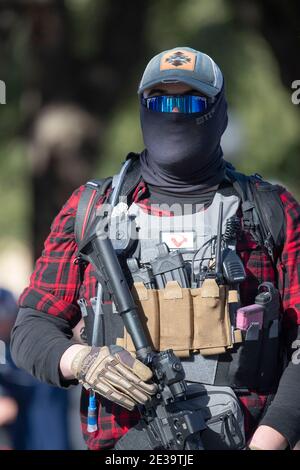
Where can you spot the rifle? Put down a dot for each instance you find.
(164, 424)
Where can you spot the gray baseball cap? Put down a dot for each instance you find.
(185, 65)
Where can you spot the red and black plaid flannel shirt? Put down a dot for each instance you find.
(55, 288)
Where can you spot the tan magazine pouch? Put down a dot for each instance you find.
(147, 304)
(176, 318)
(185, 320)
(212, 329)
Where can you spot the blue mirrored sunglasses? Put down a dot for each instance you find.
(178, 103)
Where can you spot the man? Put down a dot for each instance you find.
(183, 116)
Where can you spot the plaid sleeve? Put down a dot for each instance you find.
(55, 281)
(289, 269)
(284, 412)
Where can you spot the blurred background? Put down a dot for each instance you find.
(71, 69)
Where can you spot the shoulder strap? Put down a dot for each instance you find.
(124, 182)
(263, 212)
(270, 211)
(92, 191)
(133, 175)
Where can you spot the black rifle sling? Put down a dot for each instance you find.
(133, 176)
(88, 199)
(97, 188)
(93, 190)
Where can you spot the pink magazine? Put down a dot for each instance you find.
(250, 314)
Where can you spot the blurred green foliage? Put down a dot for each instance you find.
(268, 120)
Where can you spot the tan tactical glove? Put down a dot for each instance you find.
(115, 374)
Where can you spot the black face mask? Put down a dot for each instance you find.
(183, 152)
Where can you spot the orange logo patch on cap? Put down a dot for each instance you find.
(183, 60)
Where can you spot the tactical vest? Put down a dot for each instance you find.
(194, 320)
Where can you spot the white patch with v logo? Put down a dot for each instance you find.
(178, 240)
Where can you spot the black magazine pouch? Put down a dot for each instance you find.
(240, 368)
(270, 357)
(270, 361)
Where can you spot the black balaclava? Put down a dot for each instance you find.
(183, 152)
